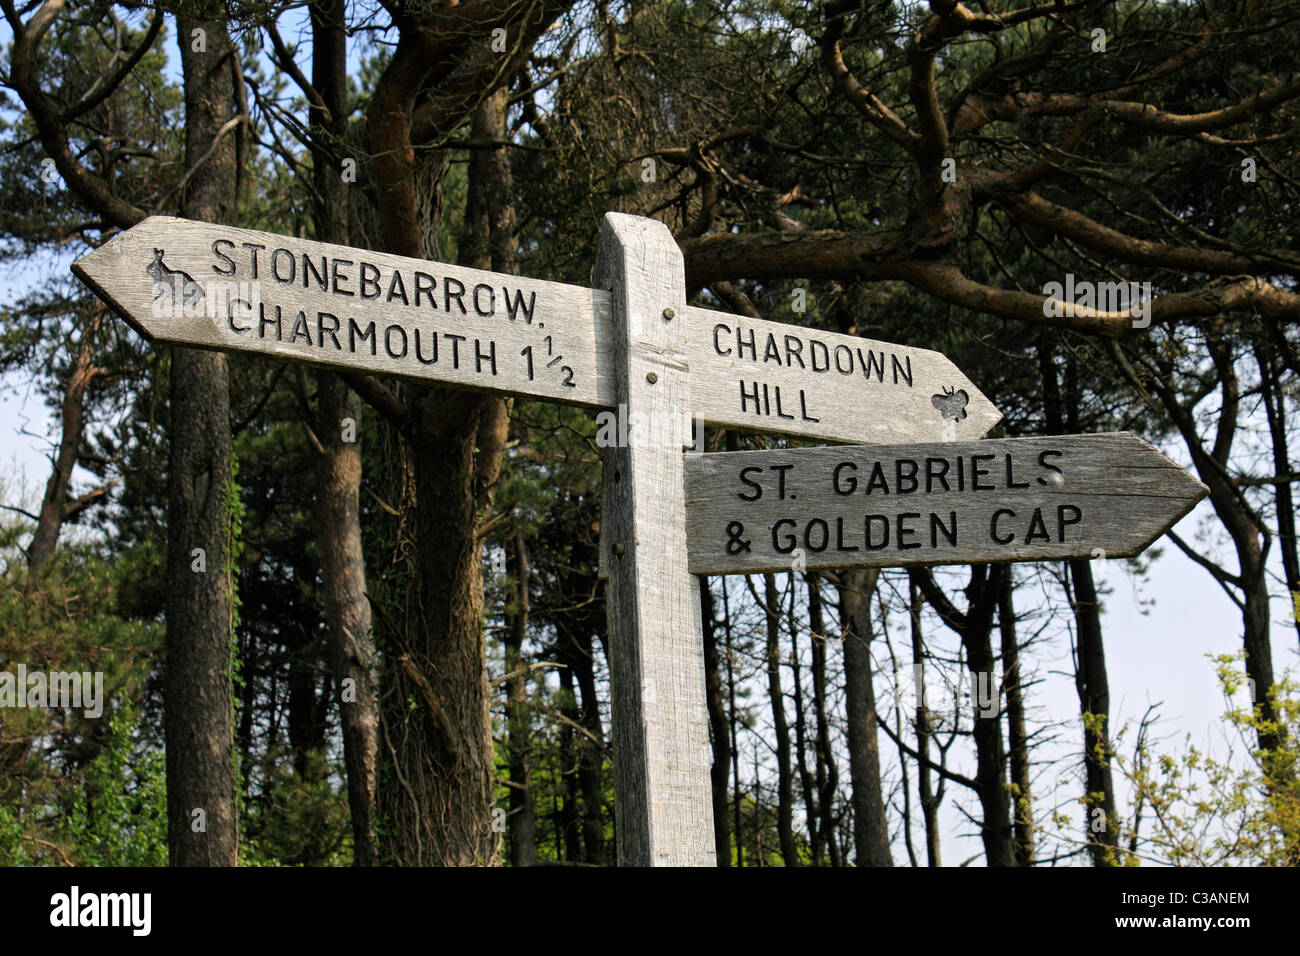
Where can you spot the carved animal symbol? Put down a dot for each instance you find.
(951, 404)
(183, 293)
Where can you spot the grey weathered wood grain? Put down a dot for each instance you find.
(662, 790)
(746, 374)
(1125, 492)
(568, 331)
(859, 390)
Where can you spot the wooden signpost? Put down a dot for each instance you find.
(759, 376)
(1013, 499)
(659, 717)
(239, 290)
(633, 345)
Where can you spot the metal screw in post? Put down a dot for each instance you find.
(652, 378)
(618, 550)
(669, 314)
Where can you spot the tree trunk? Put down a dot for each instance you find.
(442, 792)
(990, 756)
(974, 628)
(732, 722)
(202, 829)
(781, 726)
(1017, 738)
(347, 609)
(1275, 410)
(440, 773)
(720, 769)
(1243, 525)
(870, 828)
(352, 654)
(305, 726)
(1101, 822)
(591, 753)
(582, 753)
(568, 819)
(1093, 686)
(930, 799)
(1246, 529)
(801, 742)
(72, 422)
(522, 815)
(828, 775)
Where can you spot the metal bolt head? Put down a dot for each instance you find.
(652, 378)
(618, 549)
(669, 314)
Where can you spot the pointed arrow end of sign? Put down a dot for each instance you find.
(978, 416)
(105, 268)
(965, 410)
(1188, 485)
(1180, 487)
(986, 416)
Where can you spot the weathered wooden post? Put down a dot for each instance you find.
(660, 731)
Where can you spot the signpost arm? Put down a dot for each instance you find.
(662, 790)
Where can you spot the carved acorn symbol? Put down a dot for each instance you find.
(951, 403)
